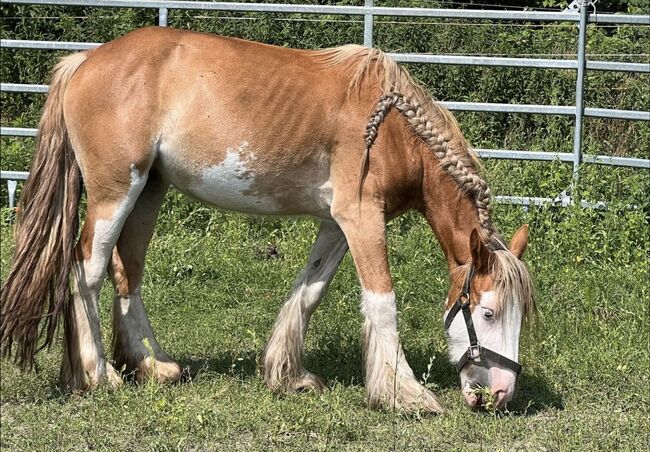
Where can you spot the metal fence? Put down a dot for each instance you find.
(578, 12)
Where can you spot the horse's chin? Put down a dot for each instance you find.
(473, 400)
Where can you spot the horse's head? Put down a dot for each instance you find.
(488, 301)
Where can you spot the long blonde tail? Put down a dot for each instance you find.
(46, 230)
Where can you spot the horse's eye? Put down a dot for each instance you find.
(488, 314)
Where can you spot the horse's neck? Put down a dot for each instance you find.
(451, 214)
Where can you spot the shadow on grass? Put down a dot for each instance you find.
(534, 395)
(242, 365)
(342, 365)
(338, 361)
(334, 363)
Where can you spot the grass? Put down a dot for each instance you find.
(212, 295)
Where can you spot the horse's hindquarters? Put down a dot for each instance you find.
(236, 124)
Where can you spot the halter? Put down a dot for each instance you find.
(476, 352)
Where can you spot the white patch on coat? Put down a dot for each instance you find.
(227, 184)
(231, 184)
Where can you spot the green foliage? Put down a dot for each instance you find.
(484, 130)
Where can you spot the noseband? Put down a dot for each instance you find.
(476, 352)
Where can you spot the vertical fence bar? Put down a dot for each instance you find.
(580, 90)
(368, 24)
(11, 191)
(162, 17)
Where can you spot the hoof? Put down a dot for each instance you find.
(309, 382)
(168, 371)
(411, 398)
(113, 377)
(306, 381)
(83, 381)
(427, 403)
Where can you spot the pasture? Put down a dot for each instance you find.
(213, 287)
(214, 281)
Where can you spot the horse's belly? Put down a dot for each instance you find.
(237, 183)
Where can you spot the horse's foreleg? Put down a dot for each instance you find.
(84, 364)
(282, 360)
(135, 349)
(390, 382)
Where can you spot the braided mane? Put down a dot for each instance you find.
(436, 127)
(430, 121)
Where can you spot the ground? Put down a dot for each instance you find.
(215, 282)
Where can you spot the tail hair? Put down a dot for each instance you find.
(37, 287)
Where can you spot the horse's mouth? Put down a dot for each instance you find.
(473, 399)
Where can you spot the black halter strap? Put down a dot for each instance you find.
(476, 352)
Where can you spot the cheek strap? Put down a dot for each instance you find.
(475, 353)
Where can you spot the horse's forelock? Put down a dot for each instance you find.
(512, 282)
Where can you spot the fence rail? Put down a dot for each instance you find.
(461, 60)
(579, 15)
(367, 10)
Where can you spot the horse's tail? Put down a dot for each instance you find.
(46, 231)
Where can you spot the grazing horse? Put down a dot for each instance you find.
(342, 134)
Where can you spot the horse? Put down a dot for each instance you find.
(344, 135)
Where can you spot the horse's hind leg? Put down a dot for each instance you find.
(135, 348)
(111, 197)
(283, 354)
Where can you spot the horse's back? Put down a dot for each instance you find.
(242, 125)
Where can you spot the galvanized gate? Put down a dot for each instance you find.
(578, 12)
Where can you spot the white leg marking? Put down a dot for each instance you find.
(88, 277)
(136, 340)
(134, 325)
(390, 382)
(284, 351)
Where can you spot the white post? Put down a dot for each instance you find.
(368, 24)
(580, 90)
(162, 17)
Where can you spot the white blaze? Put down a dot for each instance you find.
(500, 335)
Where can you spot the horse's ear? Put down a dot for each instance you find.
(480, 253)
(519, 241)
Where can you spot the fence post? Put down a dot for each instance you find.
(580, 90)
(368, 24)
(11, 191)
(162, 17)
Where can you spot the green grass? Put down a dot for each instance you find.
(212, 296)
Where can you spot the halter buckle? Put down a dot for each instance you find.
(474, 352)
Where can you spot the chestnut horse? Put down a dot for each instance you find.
(342, 134)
